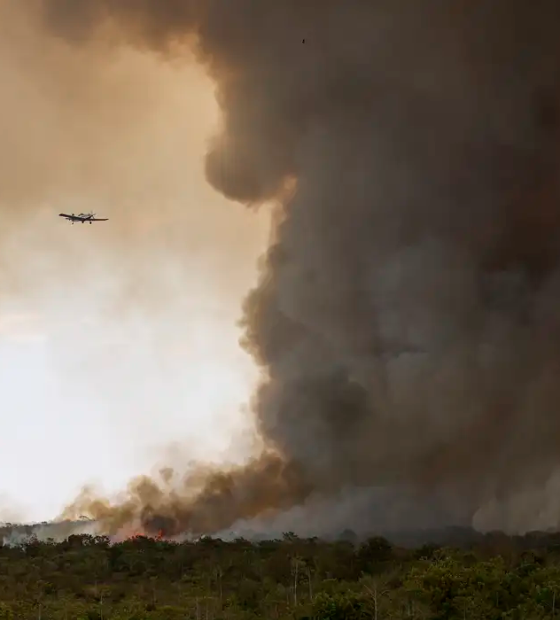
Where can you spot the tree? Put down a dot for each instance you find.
(350, 606)
(374, 554)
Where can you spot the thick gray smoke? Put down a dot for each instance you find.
(408, 314)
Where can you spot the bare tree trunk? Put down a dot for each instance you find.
(296, 568)
(375, 594)
(220, 586)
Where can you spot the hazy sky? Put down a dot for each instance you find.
(118, 341)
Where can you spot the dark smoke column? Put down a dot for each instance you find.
(408, 315)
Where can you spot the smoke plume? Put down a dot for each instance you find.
(407, 319)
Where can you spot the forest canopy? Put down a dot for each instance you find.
(89, 577)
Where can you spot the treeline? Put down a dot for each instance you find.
(87, 577)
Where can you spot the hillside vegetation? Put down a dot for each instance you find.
(86, 577)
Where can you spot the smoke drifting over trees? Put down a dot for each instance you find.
(407, 317)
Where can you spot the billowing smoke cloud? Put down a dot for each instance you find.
(407, 316)
(103, 320)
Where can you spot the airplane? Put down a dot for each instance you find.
(82, 217)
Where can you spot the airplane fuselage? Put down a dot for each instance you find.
(82, 217)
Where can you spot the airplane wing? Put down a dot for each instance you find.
(83, 217)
